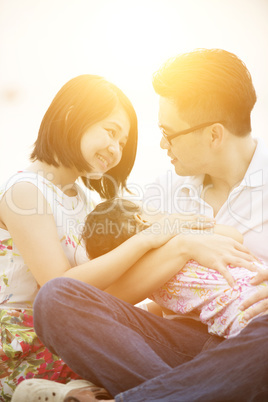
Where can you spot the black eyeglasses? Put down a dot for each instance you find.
(170, 137)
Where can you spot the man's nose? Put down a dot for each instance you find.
(164, 144)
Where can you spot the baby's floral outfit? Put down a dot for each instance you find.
(203, 294)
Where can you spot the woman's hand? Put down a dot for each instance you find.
(169, 226)
(261, 298)
(217, 252)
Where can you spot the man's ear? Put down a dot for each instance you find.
(217, 135)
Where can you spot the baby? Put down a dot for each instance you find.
(196, 291)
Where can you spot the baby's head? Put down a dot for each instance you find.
(111, 223)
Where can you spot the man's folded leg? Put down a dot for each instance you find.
(109, 342)
(234, 371)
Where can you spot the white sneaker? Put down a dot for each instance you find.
(36, 390)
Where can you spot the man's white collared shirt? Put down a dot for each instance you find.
(246, 208)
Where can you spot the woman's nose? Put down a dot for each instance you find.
(114, 149)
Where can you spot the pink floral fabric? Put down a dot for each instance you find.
(204, 294)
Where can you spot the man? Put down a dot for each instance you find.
(221, 170)
(206, 98)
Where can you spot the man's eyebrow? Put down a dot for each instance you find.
(164, 127)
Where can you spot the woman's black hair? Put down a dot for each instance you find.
(80, 103)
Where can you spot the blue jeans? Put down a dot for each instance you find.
(138, 357)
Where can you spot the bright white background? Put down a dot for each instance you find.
(44, 43)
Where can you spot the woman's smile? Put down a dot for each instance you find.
(104, 162)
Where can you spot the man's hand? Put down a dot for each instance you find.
(217, 252)
(161, 231)
(261, 297)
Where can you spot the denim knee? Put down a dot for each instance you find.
(45, 303)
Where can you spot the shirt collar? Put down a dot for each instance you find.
(257, 172)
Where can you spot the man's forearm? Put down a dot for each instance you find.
(150, 272)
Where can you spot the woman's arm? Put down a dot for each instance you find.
(28, 218)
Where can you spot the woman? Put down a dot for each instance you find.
(88, 131)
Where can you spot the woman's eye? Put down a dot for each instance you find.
(111, 132)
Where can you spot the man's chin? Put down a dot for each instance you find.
(181, 172)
